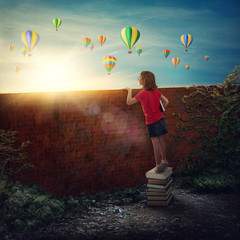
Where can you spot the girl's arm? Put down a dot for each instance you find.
(164, 100)
(130, 100)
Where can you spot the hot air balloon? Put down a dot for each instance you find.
(130, 36)
(30, 39)
(11, 47)
(187, 66)
(175, 61)
(17, 69)
(86, 41)
(23, 51)
(109, 62)
(91, 46)
(139, 50)
(207, 57)
(56, 23)
(165, 53)
(186, 40)
(101, 39)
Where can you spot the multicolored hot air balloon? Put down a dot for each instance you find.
(11, 47)
(56, 23)
(139, 50)
(101, 39)
(23, 51)
(86, 41)
(207, 57)
(30, 39)
(91, 46)
(130, 36)
(175, 61)
(17, 69)
(187, 66)
(109, 62)
(165, 53)
(186, 40)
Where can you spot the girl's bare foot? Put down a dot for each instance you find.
(162, 166)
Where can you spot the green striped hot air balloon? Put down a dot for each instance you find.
(130, 36)
(56, 23)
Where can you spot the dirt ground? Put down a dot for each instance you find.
(188, 216)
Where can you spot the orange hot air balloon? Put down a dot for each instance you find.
(101, 39)
(175, 61)
(17, 69)
(11, 47)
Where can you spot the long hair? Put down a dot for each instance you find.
(149, 82)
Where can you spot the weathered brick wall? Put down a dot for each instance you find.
(88, 141)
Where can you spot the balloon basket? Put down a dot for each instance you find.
(186, 50)
(29, 54)
(56, 29)
(109, 73)
(129, 52)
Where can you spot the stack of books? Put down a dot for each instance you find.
(159, 191)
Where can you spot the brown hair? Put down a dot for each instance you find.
(149, 82)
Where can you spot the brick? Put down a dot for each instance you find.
(86, 141)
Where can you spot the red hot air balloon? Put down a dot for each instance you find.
(101, 39)
(166, 52)
(175, 61)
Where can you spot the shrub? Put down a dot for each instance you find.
(27, 208)
(12, 156)
(214, 115)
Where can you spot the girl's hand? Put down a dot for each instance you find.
(127, 88)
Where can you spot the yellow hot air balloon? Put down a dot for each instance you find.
(130, 36)
(186, 40)
(175, 61)
(17, 69)
(101, 39)
(30, 40)
(11, 47)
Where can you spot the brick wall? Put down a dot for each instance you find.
(87, 141)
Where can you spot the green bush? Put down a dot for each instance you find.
(26, 208)
(12, 154)
(214, 117)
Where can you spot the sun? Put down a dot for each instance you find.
(52, 75)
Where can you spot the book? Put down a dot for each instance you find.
(159, 197)
(163, 175)
(159, 186)
(159, 202)
(161, 107)
(159, 193)
(159, 181)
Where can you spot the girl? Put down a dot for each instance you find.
(150, 100)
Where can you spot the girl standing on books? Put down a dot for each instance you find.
(150, 98)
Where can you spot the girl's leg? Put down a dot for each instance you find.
(163, 148)
(157, 149)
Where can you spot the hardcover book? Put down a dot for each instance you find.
(159, 181)
(159, 186)
(159, 193)
(162, 198)
(163, 175)
(160, 202)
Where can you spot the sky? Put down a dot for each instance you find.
(60, 61)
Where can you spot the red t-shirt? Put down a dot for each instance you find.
(150, 101)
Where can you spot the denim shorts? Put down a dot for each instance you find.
(158, 128)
